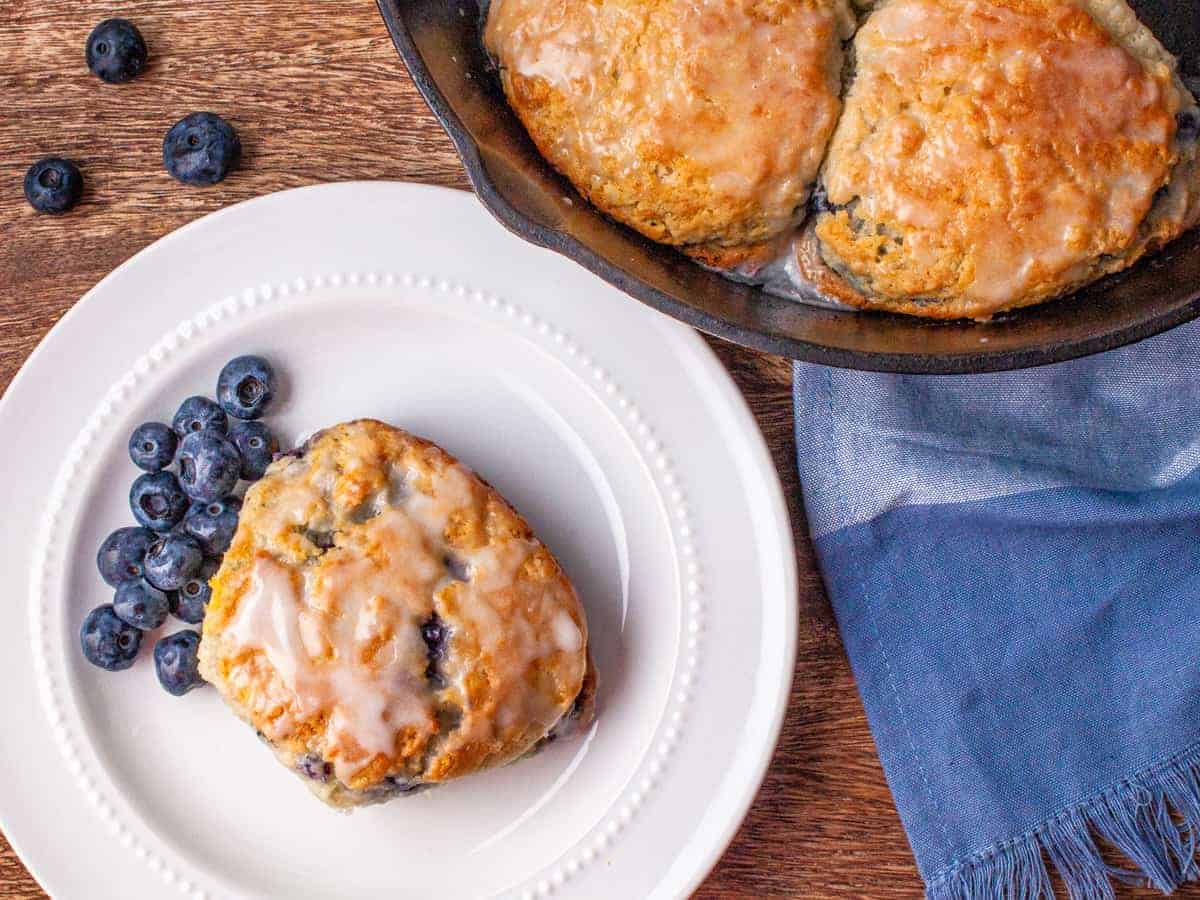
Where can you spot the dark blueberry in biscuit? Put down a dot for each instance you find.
(107, 641)
(152, 446)
(434, 634)
(310, 765)
(121, 555)
(256, 445)
(53, 185)
(820, 200)
(457, 568)
(321, 539)
(1187, 126)
(172, 561)
(190, 601)
(176, 662)
(116, 51)
(201, 149)
(212, 523)
(400, 785)
(141, 605)
(245, 387)
(157, 501)
(199, 414)
(209, 466)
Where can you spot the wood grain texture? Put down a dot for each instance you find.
(318, 94)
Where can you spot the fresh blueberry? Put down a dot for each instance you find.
(116, 51)
(189, 602)
(157, 501)
(245, 387)
(53, 185)
(141, 605)
(152, 446)
(107, 641)
(199, 414)
(256, 445)
(1187, 125)
(201, 149)
(121, 555)
(209, 466)
(177, 663)
(172, 560)
(213, 523)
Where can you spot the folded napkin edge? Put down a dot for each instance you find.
(1152, 818)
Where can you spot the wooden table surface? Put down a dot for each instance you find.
(318, 94)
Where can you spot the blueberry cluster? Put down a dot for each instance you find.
(187, 513)
(199, 149)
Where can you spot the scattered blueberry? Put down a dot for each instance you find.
(107, 641)
(213, 523)
(201, 149)
(172, 560)
(157, 501)
(311, 765)
(189, 602)
(152, 446)
(53, 185)
(141, 605)
(176, 662)
(209, 466)
(245, 387)
(121, 555)
(116, 51)
(199, 414)
(256, 445)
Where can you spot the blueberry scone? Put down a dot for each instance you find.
(386, 621)
(996, 153)
(700, 123)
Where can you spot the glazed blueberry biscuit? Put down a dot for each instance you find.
(386, 621)
(700, 123)
(996, 153)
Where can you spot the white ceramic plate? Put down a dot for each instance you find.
(613, 429)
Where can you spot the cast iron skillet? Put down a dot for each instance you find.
(439, 42)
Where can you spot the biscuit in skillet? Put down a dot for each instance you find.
(386, 621)
(997, 153)
(700, 123)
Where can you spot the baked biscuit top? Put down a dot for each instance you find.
(697, 122)
(992, 151)
(384, 610)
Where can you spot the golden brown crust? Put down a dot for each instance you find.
(699, 124)
(996, 154)
(358, 546)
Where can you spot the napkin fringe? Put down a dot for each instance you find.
(1153, 819)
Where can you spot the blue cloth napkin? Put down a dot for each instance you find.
(1014, 561)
